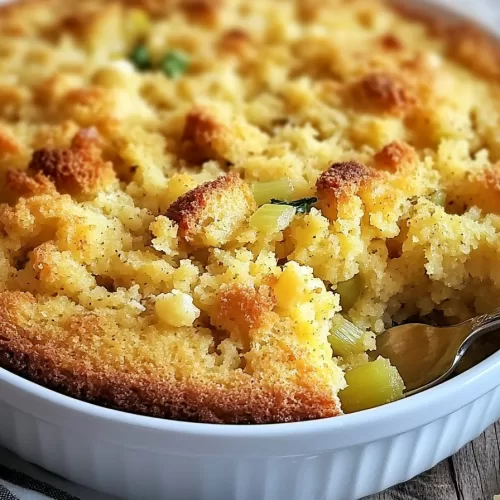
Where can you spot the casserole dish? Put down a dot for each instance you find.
(342, 458)
(347, 457)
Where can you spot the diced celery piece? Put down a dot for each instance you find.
(345, 338)
(349, 291)
(141, 58)
(438, 198)
(265, 191)
(272, 218)
(175, 63)
(371, 384)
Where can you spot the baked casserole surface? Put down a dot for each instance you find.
(143, 263)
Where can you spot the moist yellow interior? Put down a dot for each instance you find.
(273, 90)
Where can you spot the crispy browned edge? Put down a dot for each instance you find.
(188, 209)
(146, 395)
(469, 43)
(169, 399)
(342, 178)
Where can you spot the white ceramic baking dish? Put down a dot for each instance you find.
(339, 458)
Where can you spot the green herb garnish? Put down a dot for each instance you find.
(303, 206)
(175, 63)
(141, 58)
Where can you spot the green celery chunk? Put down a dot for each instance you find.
(371, 384)
(349, 291)
(175, 64)
(346, 338)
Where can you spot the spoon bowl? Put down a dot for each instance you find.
(427, 355)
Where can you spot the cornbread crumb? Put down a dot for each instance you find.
(244, 308)
(395, 155)
(77, 169)
(204, 134)
(210, 214)
(382, 92)
(176, 309)
(339, 183)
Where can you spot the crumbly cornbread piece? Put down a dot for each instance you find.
(76, 170)
(210, 214)
(130, 275)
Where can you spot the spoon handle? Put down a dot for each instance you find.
(487, 322)
(481, 325)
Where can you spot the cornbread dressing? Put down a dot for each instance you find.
(134, 135)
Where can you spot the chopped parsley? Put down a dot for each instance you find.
(141, 58)
(303, 206)
(175, 64)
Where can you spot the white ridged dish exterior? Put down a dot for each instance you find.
(342, 458)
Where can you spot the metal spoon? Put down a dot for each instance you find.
(427, 355)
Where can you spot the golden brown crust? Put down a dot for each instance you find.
(395, 156)
(192, 209)
(242, 308)
(342, 179)
(244, 401)
(203, 11)
(382, 92)
(8, 144)
(475, 49)
(391, 42)
(204, 137)
(338, 184)
(78, 169)
(236, 41)
(467, 43)
(23, 184)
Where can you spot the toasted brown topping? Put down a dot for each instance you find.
(395, 155)
(235, 41)
(204, 137)
(342, 178)
(209, 214)
(476, 49)
(75, 23)
(381, 92)
(23, 184)
(391, 42)
(78, 169)
(242, 308)
(308, 10)
(8, 144)
(203, 11)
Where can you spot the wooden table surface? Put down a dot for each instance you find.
(472, 474)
